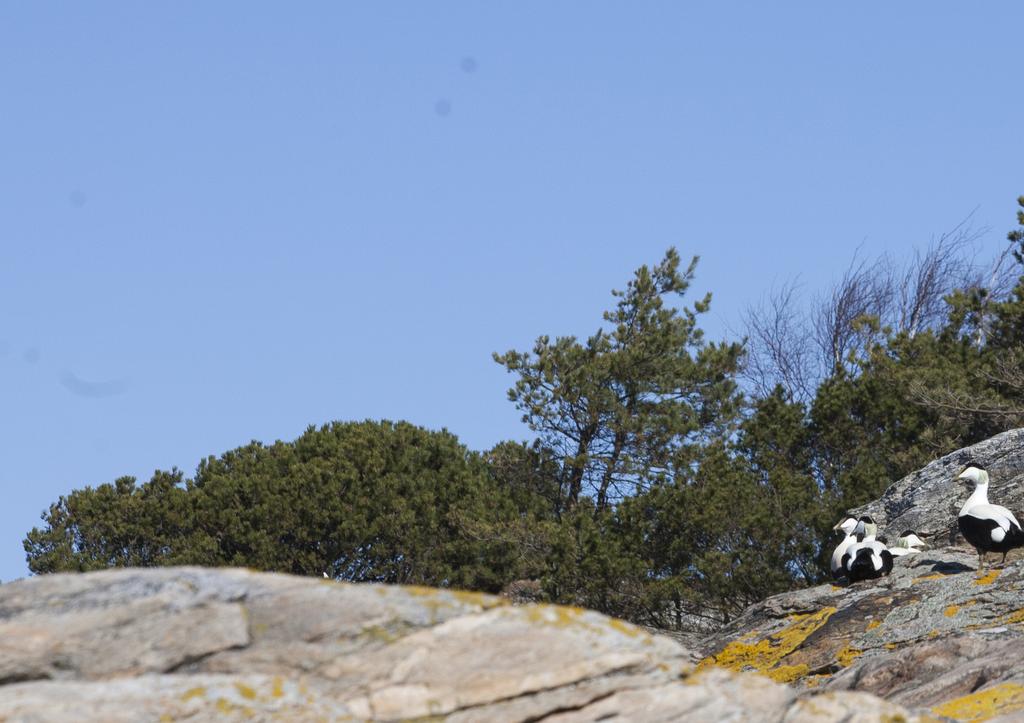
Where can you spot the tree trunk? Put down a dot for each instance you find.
(609, 471)
(578, 468)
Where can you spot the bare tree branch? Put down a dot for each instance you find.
(779, 346)
(797, 345)
(922, 285)
(865, 290)
(964, 406)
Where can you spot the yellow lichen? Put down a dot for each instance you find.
(196, 692)
(559, 616)
(788, 673)
(952, 610)
(813, 681)
(847, 655)
(988, 578)
(245, 691)
(477, 599)
(1015, 617)
(766, 654)
(874, 624)
(932, 634)
(277, 688)
(891, 646)
(936, 576)
(988, 703)
(626, 629)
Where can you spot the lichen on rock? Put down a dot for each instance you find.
(767, 653)
(987, 703)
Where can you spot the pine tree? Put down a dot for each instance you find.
(618, 408)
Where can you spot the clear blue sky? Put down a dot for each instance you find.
(227, 221)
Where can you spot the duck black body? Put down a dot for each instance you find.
(867, 559)
(989, 528)
(872, 560)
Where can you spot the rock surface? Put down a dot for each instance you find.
(935, 636)
(224, 644)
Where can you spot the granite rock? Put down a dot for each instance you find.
(225, 644)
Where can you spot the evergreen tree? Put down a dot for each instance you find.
(115, 525)
(370, 501)
(618, 408)
(1016, 236)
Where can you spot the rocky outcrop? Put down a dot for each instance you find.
(935, 636)
(205, 644)
(928, 500)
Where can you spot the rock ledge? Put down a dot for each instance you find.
(224, 644)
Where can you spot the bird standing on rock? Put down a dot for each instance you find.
(989, 528)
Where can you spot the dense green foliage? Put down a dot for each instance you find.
(659, 487)
(361, 501)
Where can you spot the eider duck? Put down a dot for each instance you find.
(907, 544)
(867, 559)
(989, 528)
(849, 528)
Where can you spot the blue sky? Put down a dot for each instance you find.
(227, 221)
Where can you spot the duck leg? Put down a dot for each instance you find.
(981, 561)
(1002, 563)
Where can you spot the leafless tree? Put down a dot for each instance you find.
(864, 292)
(779, 349)
(798, 344)
(924, 282)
